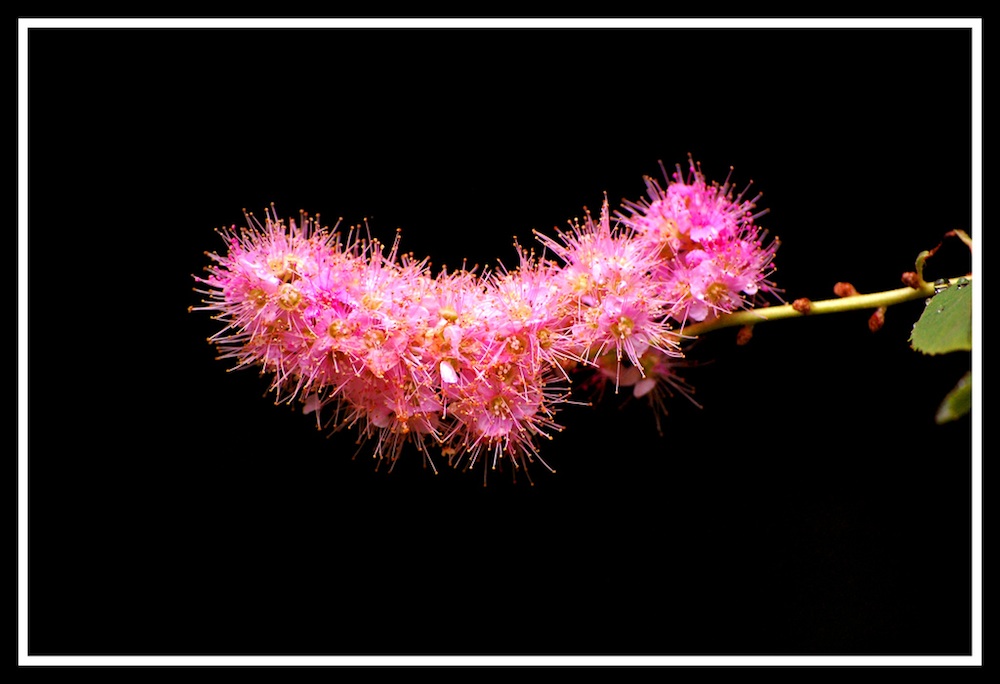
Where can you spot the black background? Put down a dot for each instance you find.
(811, 507)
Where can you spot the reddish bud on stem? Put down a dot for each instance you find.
(877, 319)
(744, 335)
(911, 279)
(802, 305)
(844, 290)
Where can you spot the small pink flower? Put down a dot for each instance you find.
(615, 303)
(260, 291)
(689, 211)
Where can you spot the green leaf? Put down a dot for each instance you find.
(957, 402)
(946, 323)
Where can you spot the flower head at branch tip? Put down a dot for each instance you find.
(712, 258)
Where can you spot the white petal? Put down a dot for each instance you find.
(448, 374)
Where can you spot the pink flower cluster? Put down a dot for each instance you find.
(478, 365)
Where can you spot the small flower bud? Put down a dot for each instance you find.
(744, 335)
(877, 319)
(844, 290)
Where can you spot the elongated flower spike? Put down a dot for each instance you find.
(477, 367)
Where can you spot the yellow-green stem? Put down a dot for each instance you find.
(851, 303)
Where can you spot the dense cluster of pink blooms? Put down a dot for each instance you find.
(477, 366)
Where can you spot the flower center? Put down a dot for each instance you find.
(498, 406)
(289, 297)
(337, 329)
(257, 297)
(284, 267)
(716, 292)
(622, 327)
